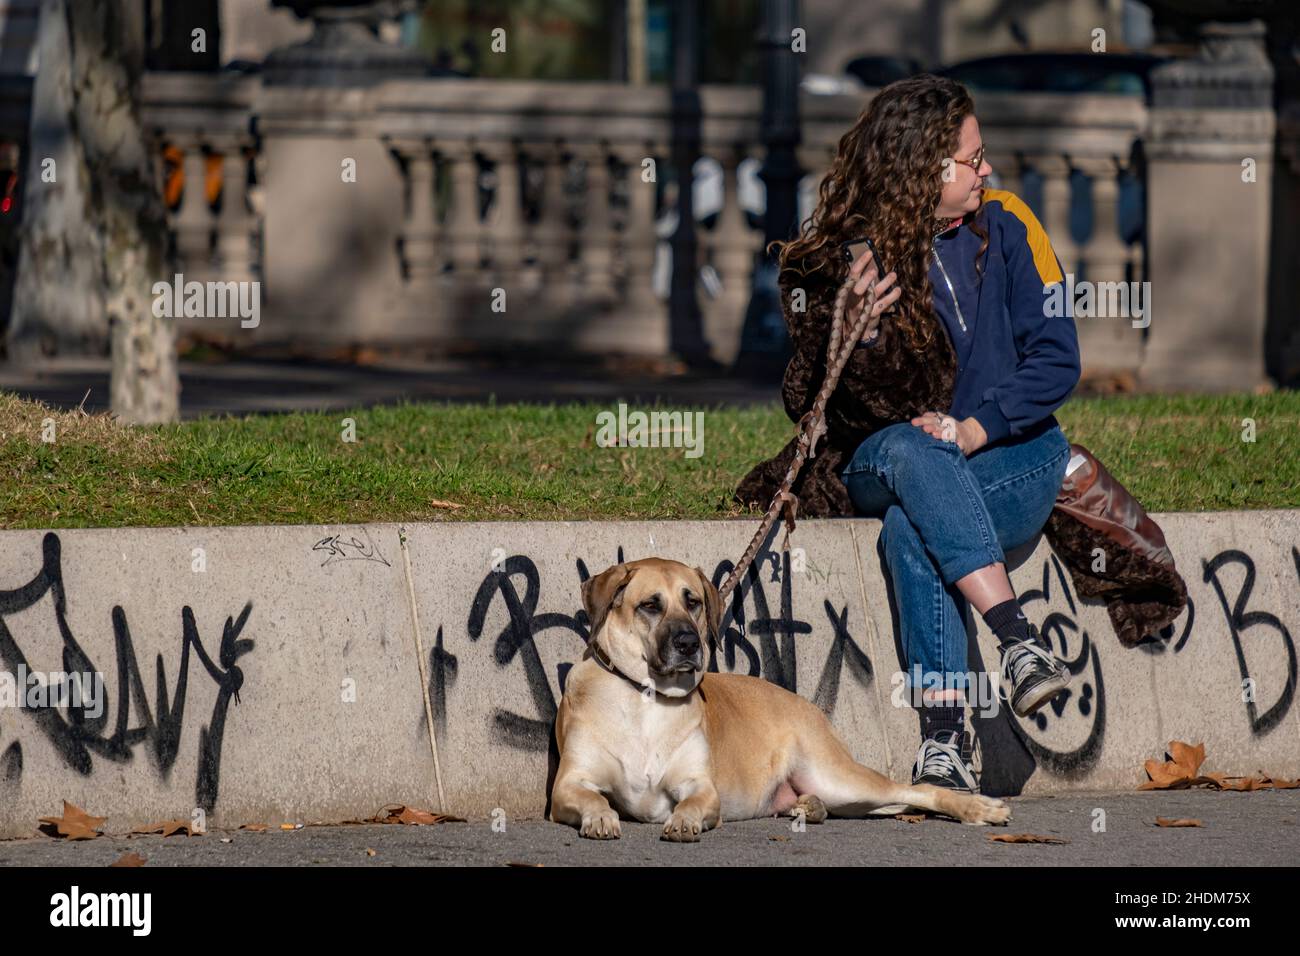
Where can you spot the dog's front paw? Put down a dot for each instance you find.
(683, 828)
(601, 825)
(986, 810)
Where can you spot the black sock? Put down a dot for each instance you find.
(1007, 623)
(937, 715)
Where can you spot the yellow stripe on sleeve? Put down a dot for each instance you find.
(1039, 244)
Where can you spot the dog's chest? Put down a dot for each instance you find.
(648, 749)
(654, 755)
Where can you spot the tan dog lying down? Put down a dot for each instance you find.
(701, 747)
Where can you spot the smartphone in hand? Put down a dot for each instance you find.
(854, 248)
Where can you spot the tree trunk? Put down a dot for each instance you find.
(58, 303)
(102, 224)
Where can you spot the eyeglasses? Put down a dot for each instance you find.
(975, 163)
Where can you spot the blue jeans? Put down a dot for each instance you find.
(944, 516)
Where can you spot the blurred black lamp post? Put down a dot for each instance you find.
(686, 325)
(763, 339)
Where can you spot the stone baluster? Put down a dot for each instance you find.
(816, 163)
(597, 238)
(553, 232)
(194, 221)
(638, 239)
(463, 228)
(1107, 342)
(734, 244)
(420, 239)
(1105, 253)
(596, 249)
(234, 223)
(505, 222)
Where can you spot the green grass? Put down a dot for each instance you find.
(541, 462)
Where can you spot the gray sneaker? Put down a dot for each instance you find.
(1032, 673)
(939, 762)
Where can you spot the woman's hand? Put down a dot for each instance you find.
(864, 269)
(969, 434)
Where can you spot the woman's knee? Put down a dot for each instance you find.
(903, 441)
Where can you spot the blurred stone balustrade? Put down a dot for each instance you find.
(467, 186)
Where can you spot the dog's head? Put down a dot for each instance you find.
(653, 618)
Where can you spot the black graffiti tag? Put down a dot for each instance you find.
(1058, 630)
(1240, 620)
(516, 639)
(775, 657)
(76, 738)
(775, 662)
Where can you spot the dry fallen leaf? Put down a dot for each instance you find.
(1261, 782)
(255, 827)
(1025, 838)
(1181, 822)
(128, 859)
(518, 863)
(439, 503)
(166, 828)
(369, 852)
(75, 824)
(910, 817)
(398, 813)
(779, 839)
(1179, 772)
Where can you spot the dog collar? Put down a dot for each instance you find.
(600, 658)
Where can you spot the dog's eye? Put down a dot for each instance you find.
(692, 601)
(652, 604)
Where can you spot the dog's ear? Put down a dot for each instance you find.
(712, 606)
(603, 592)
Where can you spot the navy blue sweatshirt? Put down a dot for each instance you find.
(1016, 364)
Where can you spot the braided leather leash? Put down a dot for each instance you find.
(812, 427)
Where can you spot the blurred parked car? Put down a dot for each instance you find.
(1040, 72)
(882, 70)
(1124, 73)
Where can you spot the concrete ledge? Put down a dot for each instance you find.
(316, 673)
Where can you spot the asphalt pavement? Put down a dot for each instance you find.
(1237, 829)
(247, 386)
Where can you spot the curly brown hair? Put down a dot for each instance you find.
(885, 182)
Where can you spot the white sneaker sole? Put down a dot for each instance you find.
(1046, 691)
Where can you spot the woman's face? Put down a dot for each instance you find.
(961, 182)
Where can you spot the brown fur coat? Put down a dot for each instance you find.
(887, 384)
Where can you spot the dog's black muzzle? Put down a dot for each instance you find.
(681, 649)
